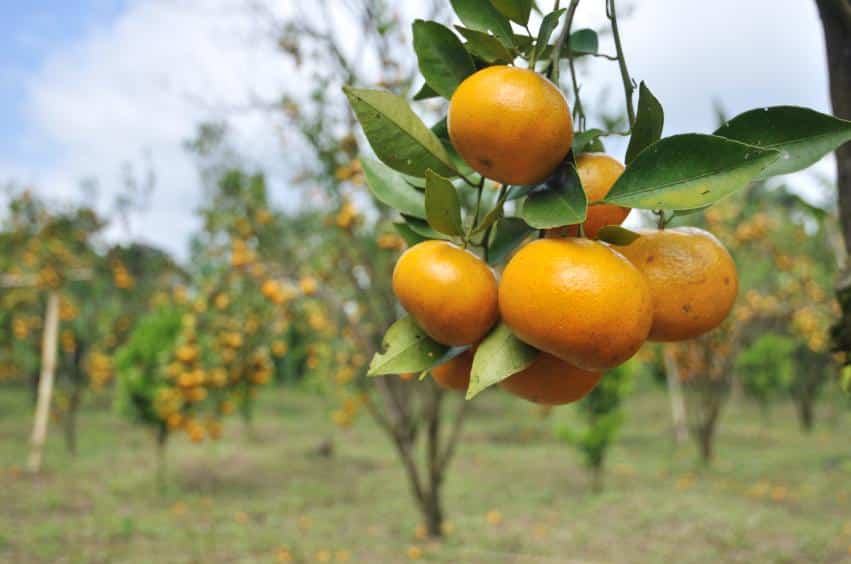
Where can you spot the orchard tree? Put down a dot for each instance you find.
(509, 181)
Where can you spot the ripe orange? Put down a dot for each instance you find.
(510, 124)
(578, 300)
(598, 173)
(454, 374)
(450, 292)
(692, 280)
(551, 381)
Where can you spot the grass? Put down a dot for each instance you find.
(514, 493)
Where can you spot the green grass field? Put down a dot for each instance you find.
(774, 495)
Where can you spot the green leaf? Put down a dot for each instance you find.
(482, 16)
(515, 10)
(442, 58)
(422, 228)
(803, 136)
(425, 93)
(688, 171)
(406, 349)
(585, 140)
(500, 355)
(648, 123)
(443, 208)
(410, 236)
(390, 187)
(548, 25)
(485, 46)
(617, 235)
(398, 137)
(583, 42)
(561, 202)
(441, 129)
(509, 233)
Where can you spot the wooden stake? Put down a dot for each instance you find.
(45, 383)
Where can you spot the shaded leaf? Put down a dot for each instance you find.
(583, 142)
(583, 42)
(422, 228)
(442, 58)
(485, 46)
(482, 16)
(390, 187)
(410, 236)
(443, 208)
(509, 233)
(515, 10)
(499, 355)
(562, 201)
(688, 171)
(617, 235)
(648, 123)
(425, 93)
(398, 137)
(803, 136)
(406, 349)
(548, 25)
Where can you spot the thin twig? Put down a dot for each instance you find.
(628, 86)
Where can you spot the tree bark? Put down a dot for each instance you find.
(836, 23)
(805, 413)
(71, 419)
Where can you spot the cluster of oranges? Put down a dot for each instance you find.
(585, 305)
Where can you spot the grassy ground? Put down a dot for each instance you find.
(514, 493)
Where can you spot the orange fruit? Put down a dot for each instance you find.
(598, 173)
(454, 374)
(450, 292)
(510, 124)
(551, 381)
(578, 300)
(692, 280)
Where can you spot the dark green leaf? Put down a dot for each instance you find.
(510, 232)
(561, 202)
(485, 46)
(390, 187)
(482, 16)
(406, 349)
(441, 129)
(688, 171)
(422, 228)
(410, 236)
(680, 213)
(583, 142)
(617, 235)
(398, 137)
(443, 209)
(648, 123)
(803, 136)
(515, 10)
(548, 25)
(500, 355)
(442, 58)
(425, 93)
(583, 42)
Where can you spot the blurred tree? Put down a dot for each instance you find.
(602, 412)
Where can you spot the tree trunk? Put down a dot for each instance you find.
(432, 509)
(597, 478)
(162, 441)
(836, 22)
(45, 383)
(705, 436)
(805, 412)
(71, 419)
(675, 393)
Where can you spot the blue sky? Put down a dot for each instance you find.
(30, 32)
(88, 86)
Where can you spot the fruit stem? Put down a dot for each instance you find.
(628, 86)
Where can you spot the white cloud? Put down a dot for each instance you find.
(143, 82)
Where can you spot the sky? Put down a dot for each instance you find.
(87, 86)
